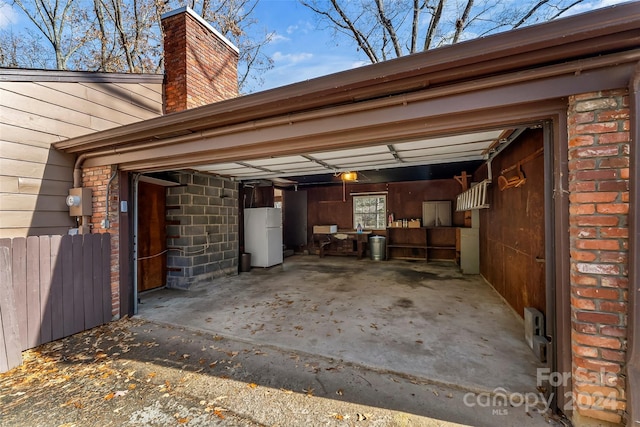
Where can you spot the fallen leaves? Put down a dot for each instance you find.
(114, 394)
(252, 385)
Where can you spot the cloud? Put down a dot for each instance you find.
(292, 29)
(277, 38)
(591, 5)
(8, 16)
(291, 58)
(304, 27)
(358, 64)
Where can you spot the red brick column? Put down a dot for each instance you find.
(599, 206)
(97, 179)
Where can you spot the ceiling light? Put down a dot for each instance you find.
(349, 176)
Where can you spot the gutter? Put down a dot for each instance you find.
(119, 144)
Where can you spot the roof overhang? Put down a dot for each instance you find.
(431, 100)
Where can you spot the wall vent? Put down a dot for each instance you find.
(534, 332)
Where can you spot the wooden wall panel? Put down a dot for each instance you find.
(329, 204)
(512, 229)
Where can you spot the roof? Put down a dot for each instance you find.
(564, 48)
(39, 75)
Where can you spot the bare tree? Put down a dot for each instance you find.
(384, 29)
(59, 22)
(233, 18)
(126, 35)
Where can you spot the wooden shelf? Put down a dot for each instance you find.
(406, 243)
(409, 246)
(402, 243)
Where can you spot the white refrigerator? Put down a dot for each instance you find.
(263, 236)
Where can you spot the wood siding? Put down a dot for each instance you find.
(34, 177)
(57, 285)
(512, 247)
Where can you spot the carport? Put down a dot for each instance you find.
(425, 321)
(440, 104)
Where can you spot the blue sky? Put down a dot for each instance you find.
(300, 49)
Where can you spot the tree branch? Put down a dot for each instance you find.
(433, 25)
(461, 23)
(387, 26)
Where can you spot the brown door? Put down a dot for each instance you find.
(152, 239)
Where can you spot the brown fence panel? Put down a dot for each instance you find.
(56, 298)
(60, 285)
(10, 355)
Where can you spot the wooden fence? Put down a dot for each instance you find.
(51, 287)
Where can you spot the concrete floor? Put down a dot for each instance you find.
(424, 320)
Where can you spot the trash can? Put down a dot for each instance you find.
(245, 262)
(377, 248)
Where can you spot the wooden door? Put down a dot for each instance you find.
(152, 238)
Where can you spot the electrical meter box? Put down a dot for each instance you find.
(79, 202)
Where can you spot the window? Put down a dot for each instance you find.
(370, 212)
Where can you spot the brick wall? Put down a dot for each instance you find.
(97, 179)
(599, 206)
(202, 231)
(200, 66)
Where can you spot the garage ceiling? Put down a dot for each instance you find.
(448, 149)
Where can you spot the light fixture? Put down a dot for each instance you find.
(349, 176)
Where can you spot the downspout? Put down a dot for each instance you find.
(77, 170)
(136, 180)
(84, 225)
(633, 331)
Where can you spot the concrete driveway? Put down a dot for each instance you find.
(425, 320)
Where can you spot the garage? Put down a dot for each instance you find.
(507, 113)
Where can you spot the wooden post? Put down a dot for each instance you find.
(464, 182)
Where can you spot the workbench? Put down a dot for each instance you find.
(347, 243)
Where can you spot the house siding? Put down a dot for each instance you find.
(34, 177)
(599, 206)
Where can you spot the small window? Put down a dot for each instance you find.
(370, 212)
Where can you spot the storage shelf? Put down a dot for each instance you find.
(423, 241)
(408, 246)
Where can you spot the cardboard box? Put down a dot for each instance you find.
(325, 229)
(414, 223)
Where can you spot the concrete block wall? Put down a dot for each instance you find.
(202, 230)
(97, 178)
(599, 209)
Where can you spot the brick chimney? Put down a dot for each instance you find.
(201, 65)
